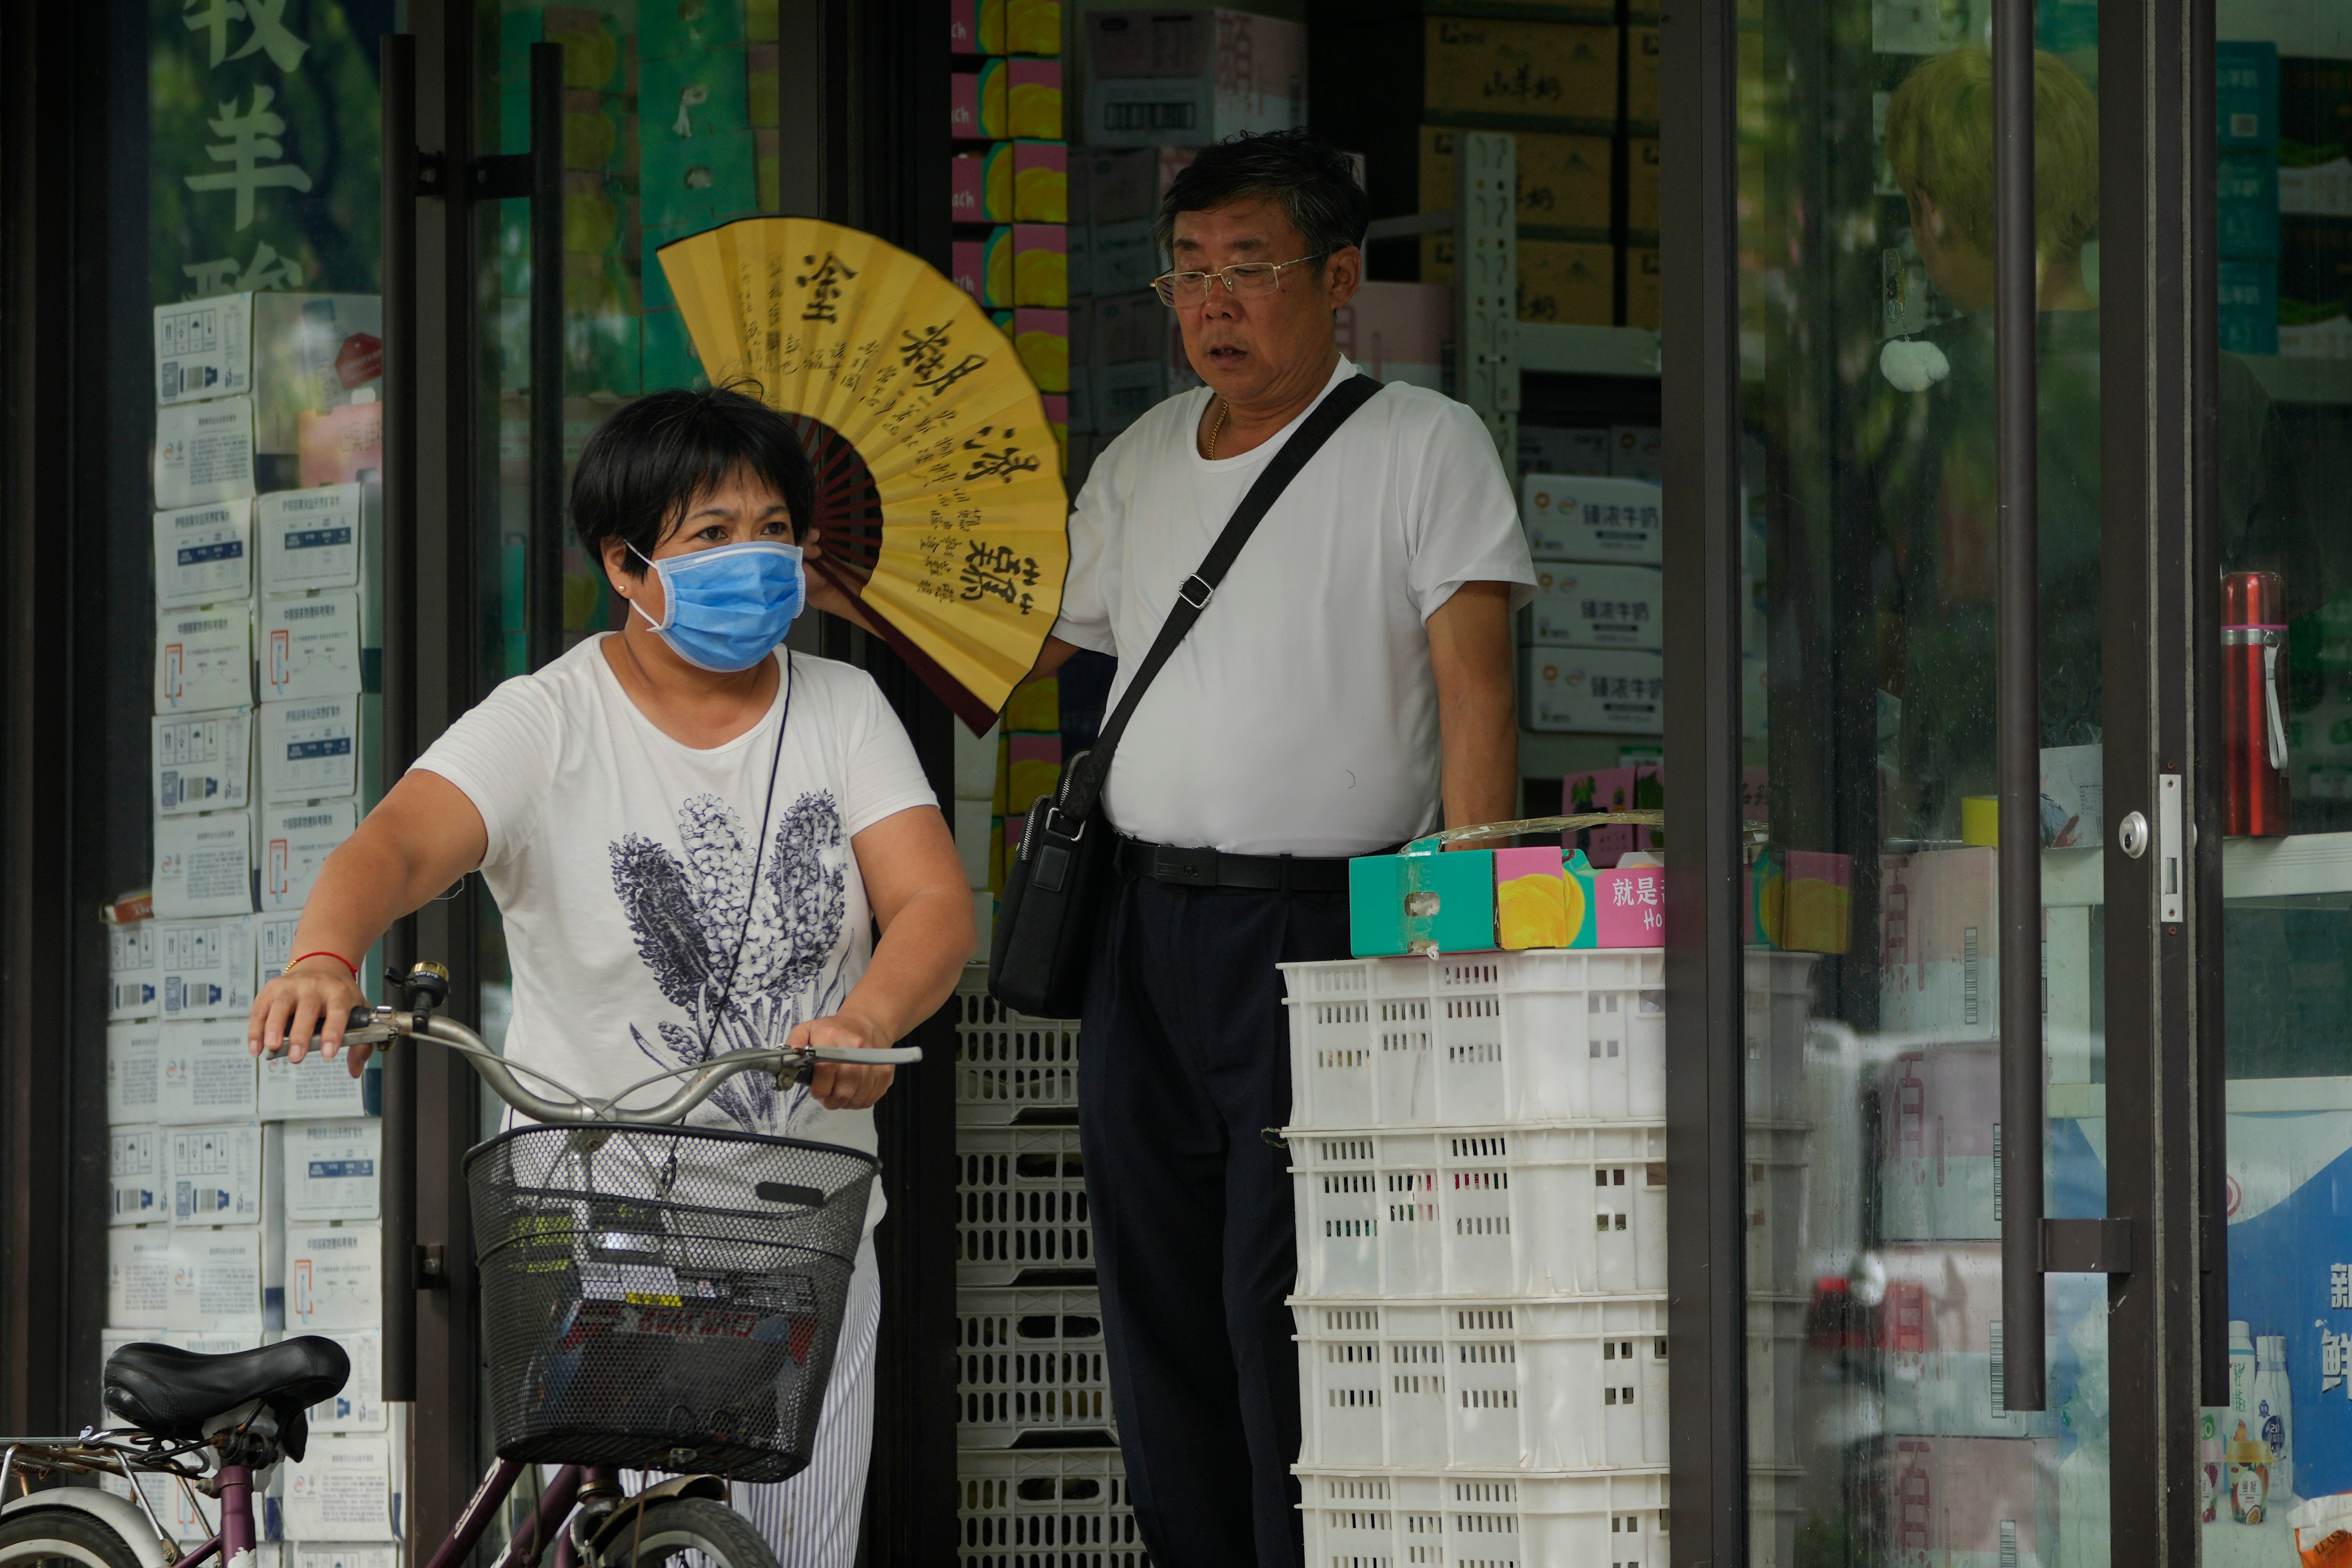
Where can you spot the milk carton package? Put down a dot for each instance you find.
(1583, 606)
(203, 452)
(216, 1173)
(310, 647)
(138, 1192)
(201, 761)
(203, 658)
(131, 987)
(334, 1276)
(318, 1087)
(295, 842)
(308, 538)
(162, 1276)
(207, 1076)
(204, 349)
(1578, 517)
(360, 1406)
(203, 555)
(1605, 690)
(134, 1078)
(206, 967)
(332, 1168)
(340, 1490)
(340, 1554)
(139, 1276)
(310, 749)
(204, 865)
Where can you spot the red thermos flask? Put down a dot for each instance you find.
(2253, 715)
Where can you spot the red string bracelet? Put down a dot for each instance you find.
(322, 953)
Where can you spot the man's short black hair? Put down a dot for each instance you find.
(657, 456)
(1314, 181)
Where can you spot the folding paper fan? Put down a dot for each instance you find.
(941, 503)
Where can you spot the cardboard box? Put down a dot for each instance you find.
(1033, 99)
(2247, 203)
(1636, 787)
(963, 27)
(310, 749)
(1041, 266)
(204, 865)
(1642, 185)
(2249, 298)
(1644, 287)
(340, 1490)
(1543, 898)
(2248, 90)
(204, 349)
(1630, 907)
(206, 1074)
(360, 1407)
(1939, 942)
(1124, 257)
(1041, 182)
(1563, 179)
(1442, 902)
(1618, 691)
(967, 188)
(1573, 281)
(1127, 187)
(1033, 26)
(995, 100)
(1398, 332)
(204, 659)
(203, 555)
(332, 1168)
(964, 106)
(1800, 900)
(1042, 338)
(1190, 77)
(318, 1087)
(1582, 606)
(273, 944)
(139, 1192)
(1482, 70)
(193, 1278)
(202, 761)
(205, 967)
(139, 1276)
(1577, 517)
(133, 988)
(968, 266)
(310, 647)
(1642, 74)
(312, 353)
(295, 842)
(1637, 452)
(996, 271)
(133, 1075)
(310, 539)
(334, 1276)
(216, 1173)
(203, 452)
(996, 182)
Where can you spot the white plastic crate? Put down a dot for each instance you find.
(1065, 1508)
(1029, 1360)
(1779, 1001)
(1007, 1062)
(1021, 1195)
(1573, 1384)
(1479, 1039)
(1356, 1517)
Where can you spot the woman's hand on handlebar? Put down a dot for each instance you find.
(315, 1000)
(837, 1085)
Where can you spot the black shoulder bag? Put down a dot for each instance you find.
(1054, 886)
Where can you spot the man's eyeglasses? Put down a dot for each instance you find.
(1249, 279)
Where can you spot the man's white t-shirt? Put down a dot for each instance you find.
(623, 864)
(1300, 715)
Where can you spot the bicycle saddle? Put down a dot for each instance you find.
(173, 1392)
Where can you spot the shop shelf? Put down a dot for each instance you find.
(1020, 1200)
(1007, 1062)
(1029, 1362)
(1063, 1508)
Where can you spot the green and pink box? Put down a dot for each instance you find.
(1426, 901)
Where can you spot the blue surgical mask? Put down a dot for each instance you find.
(727, 609)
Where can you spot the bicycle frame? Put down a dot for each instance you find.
(530, 1538)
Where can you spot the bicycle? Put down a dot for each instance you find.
(656, 1297)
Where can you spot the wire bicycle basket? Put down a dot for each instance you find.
(663, 1298)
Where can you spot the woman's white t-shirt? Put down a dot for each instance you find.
(624, 866)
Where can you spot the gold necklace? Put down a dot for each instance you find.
(1223, 406)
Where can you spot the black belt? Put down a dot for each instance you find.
(1212, 869)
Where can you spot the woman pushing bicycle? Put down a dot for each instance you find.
(692, 833)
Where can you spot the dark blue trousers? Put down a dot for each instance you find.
(1184, 1063)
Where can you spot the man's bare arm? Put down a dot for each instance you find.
(1477, 720)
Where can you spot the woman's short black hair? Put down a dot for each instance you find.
(1314, 181)
(657, 456)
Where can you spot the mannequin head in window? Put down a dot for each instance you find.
(1939, 143)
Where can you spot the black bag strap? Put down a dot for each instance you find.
(1093, 766)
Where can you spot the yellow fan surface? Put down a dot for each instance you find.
(836, 326)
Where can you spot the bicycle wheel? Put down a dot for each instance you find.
(63, 1535)
(687, 1531)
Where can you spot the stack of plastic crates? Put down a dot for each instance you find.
(1478, 1151)
(1041, 1484)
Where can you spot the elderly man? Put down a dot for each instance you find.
(1351, 674)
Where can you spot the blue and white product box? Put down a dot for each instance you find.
(273, 944)
(332, 1168)
(134, 1071)
(138, 1193)
(203, 658)
(187, 1278)
(1578, 517)
(360, 1406)
(131, 988)
(1579, 605)
(295, 842)
(207, 1075)
(202, 762)
(317, 1087)
(204, 349)
(204, 865)
(310, 749)
(1620, 691)
(310, 647)
(334, 1276)
(216, 1173)
(203, 555)
(203, 452)
(206, 967)
(308, 538)
(340, 1490)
